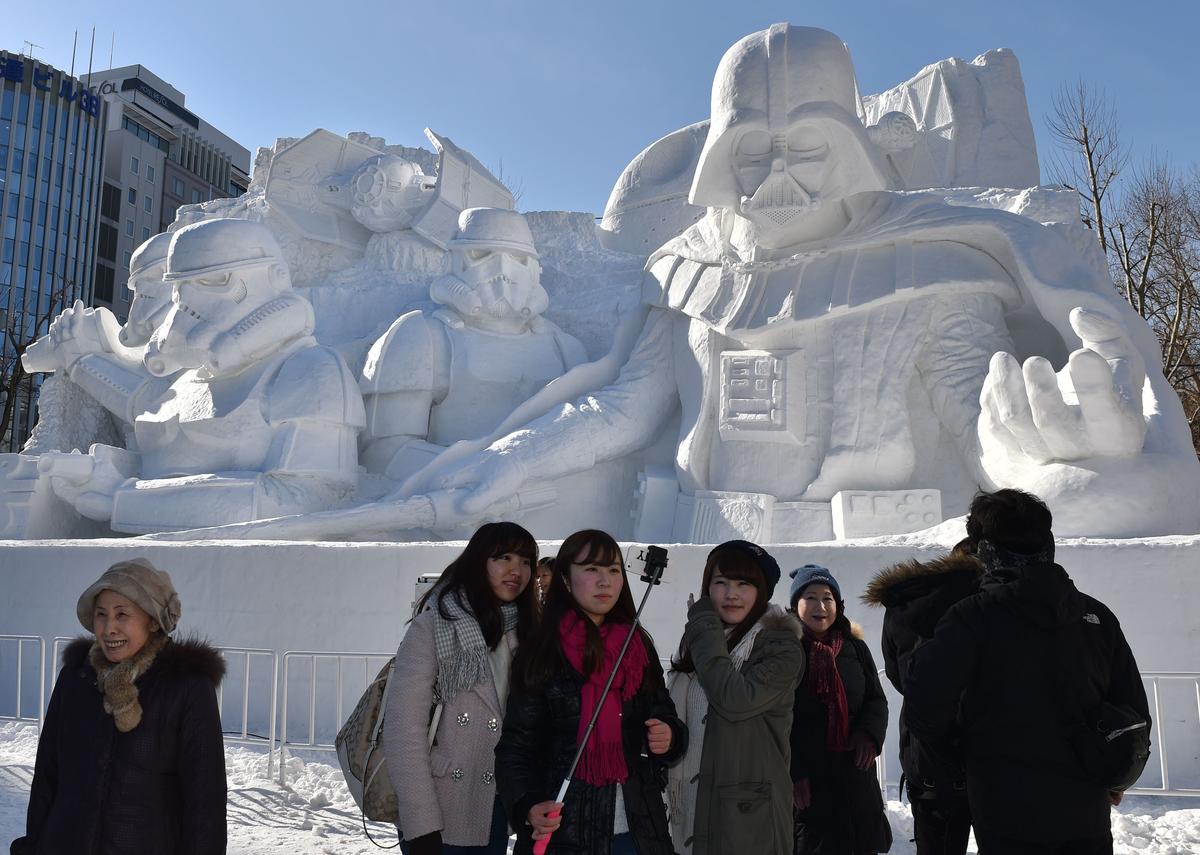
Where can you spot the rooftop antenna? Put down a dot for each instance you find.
(31, 47)
(91, 54)
(111, 47)
(74, 44)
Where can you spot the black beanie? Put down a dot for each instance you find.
(768, 565)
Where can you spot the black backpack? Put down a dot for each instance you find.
(1111, 740)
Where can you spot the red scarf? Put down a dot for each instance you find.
(603, 760)
(825, 682)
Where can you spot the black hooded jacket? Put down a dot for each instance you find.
(916, 595)
(535, 751)
(158, 789)
(999, 662)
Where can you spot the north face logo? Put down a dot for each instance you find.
(1091, 618)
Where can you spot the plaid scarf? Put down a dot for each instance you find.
(462, 651)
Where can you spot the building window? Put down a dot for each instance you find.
(129, 227)
(132, 196)
(195, 196)
(110, 201)
(108, 242)
(177, 187)
(127, 257)
(148, 205)
(150, 173)
(145, 235)
(134, 165)
(104, 283)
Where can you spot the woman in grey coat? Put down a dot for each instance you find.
(734, 681)
(446, 705)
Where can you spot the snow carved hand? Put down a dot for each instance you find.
(89, 481)
(75, 333)
(1091, 408)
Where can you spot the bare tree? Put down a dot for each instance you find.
(1154, 241)
(1148, 225)
(18, 330)
(1091, 156)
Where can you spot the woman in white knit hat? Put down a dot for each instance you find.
(130, 758)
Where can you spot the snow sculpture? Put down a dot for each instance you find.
(342, 192)
(954, 124)
(237, 413)
(438, 377)
(822, 333)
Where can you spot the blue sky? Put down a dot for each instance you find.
(563, 94)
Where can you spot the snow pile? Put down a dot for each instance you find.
(315, 815)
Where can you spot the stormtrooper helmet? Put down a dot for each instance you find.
(494, 275)
(388, 191)
(151, 296)
(785, 135)
(230, 287)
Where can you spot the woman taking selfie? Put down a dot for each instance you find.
(735, 678)
(614, 804)
(840, 721)
(445, 705)
(130, 757)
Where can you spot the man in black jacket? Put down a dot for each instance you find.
(915, 596)
(1009, 669)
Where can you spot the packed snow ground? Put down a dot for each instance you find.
(314, 814)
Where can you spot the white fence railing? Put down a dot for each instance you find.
(315, 739)
(1165, 730)
(244, 735)
(18, 644)
(329, 682)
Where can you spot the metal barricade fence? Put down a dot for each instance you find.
(371, 664)
(1159, 737)
(1167, 731)
(244, 735)
(1164, 734)
(21, 642)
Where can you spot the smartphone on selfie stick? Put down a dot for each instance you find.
(654, 562)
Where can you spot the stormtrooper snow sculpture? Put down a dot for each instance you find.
(151, 295)
(237, 412)
(437, 377)
(839, 351)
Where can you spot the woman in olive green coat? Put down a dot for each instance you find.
(734, 680)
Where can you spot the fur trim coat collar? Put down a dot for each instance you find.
(162, 654)
(900, 583)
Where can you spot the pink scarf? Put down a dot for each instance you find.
(603, 760)
(825, 682)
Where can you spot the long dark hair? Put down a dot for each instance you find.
(466, 580)
(732, 564)
(541, 657)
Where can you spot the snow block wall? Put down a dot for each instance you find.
(357, 597)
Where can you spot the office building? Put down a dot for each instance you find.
(158, 155)
(51, 148)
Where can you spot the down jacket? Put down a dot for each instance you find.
(916, 595)
(995, 670)
(158, 789)
(535, 751)
(847, 808)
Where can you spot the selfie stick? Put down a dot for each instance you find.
(656, 563)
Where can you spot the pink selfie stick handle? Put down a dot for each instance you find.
(540, 846)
